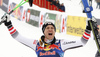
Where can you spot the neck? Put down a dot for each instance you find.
(48, 40)
(44, 41)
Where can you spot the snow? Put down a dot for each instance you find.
(9, 47)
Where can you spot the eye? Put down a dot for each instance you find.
(52, 27)
(47, 27)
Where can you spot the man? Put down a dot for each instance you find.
(54, 2)
(57, 4)
(48, 45)
(62, 7)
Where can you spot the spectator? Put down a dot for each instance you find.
(50, 0)
(54, 2)
(57, 4)
(62, 7)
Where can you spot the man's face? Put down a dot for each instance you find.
(49, 32)
(62, 4)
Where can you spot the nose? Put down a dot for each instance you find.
(50, 29)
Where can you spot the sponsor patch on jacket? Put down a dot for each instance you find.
(69, 42)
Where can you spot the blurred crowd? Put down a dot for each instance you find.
(57, 4)
(50, 4)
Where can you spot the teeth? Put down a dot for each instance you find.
(50, 33)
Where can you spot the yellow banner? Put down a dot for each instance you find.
(76, 25)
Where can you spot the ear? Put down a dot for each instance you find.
(30, 3)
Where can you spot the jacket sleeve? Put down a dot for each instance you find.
(70, 44)
(15, 34)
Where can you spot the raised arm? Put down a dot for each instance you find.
(16, 35)
(70, 44)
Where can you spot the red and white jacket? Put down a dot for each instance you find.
(64, 44)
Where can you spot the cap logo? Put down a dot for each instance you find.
(48, 23)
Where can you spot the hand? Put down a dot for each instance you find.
(6, 19)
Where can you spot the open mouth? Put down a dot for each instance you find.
(49, 33)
